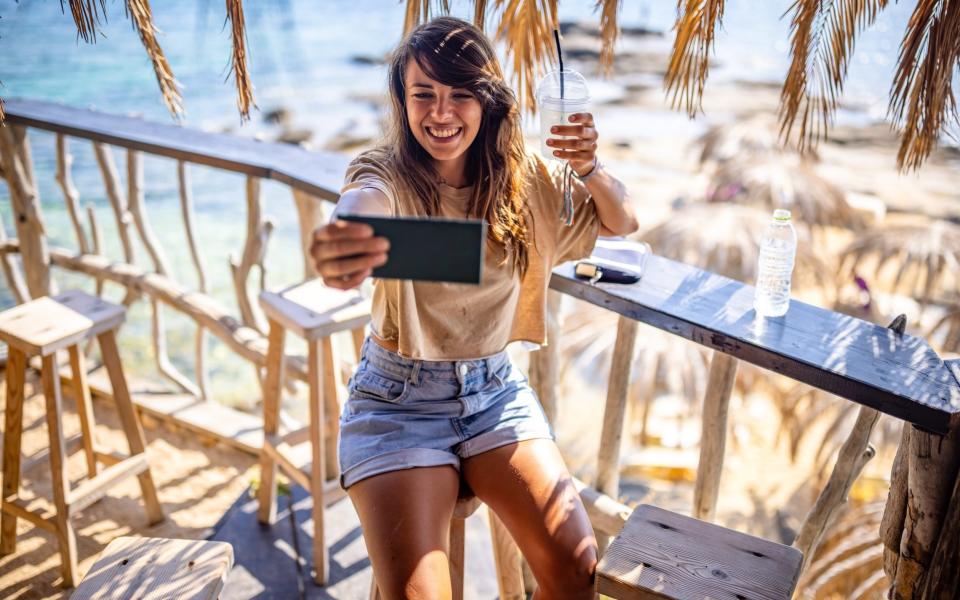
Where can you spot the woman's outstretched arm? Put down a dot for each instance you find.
(614, 206)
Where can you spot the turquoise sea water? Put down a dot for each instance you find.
(301, 57)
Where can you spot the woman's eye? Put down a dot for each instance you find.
(463, 96)
(422, 95)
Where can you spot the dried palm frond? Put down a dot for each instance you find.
(823, 36)
(730, 245)
(86, 15)
(609, 32)
(238, 59)
(480, 14)
(142, 19)
(690, 58)
(526, 28)
(926, 257)
(922, 99)
(419, 11)
(3, 115)
(784, 181)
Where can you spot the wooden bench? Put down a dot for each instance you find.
(157, 569)
(660, 554)
(43, 327)
(308, 455)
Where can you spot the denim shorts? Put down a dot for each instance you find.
(403, 413)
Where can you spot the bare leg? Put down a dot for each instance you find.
(529, 488)
(405, 517)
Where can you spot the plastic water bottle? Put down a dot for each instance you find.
(778, 250)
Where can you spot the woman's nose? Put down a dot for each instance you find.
(442, 108)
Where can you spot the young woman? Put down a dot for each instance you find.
(435, 398)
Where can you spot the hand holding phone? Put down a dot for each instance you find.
(345, 253)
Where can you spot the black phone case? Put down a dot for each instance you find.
(429, 249)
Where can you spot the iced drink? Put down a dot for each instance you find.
(556, 106)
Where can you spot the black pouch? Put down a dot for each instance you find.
(595, 272)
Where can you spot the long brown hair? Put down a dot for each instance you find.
(455, 53)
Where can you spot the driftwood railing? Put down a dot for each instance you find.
(884, 370)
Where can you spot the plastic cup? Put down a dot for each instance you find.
(555, 108)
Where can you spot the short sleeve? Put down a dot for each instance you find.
(576, 240)
(370, 170)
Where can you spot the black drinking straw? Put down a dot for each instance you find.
(556, 36)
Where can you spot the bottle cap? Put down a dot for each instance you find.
(781, 214)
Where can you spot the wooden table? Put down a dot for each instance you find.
(899, 375)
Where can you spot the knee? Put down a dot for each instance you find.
(571, 576)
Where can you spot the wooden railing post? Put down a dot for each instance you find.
(258, 232)
(25, 201)
(608, 458)
(310, 215)
(200, 341)
(11, 272)
(854, 455)
(121, 212)
(713, 439)
(932, 463)
(70, 194)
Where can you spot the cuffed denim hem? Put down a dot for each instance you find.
(397, 460)
(492, 440)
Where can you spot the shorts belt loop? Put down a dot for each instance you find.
(415, 372)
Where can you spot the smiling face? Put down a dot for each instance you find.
(443, 119)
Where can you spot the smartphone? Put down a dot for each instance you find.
(429, 249)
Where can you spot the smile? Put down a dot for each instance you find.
(444, 135)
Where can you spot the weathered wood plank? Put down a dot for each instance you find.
(317, 173)
(899, 375)
(660, 554)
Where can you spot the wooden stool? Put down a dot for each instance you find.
(660, 554)
(467, 504)
(309, 455)
(156, 569)
(42, 327)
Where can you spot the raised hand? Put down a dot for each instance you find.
(345, 253)
(581, 147)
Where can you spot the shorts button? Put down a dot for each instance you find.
(463, 368)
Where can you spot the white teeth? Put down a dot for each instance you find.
(443, 133)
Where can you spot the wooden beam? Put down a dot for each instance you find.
(317, 173)
(713, 437)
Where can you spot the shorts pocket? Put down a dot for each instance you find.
(372, 384)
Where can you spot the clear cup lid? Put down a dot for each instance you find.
(574, 88)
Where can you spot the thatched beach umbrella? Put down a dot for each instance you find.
(742, 139)
(662, 363)
(947, 330)
(725, 239)
(777, 180)
(921, 260)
